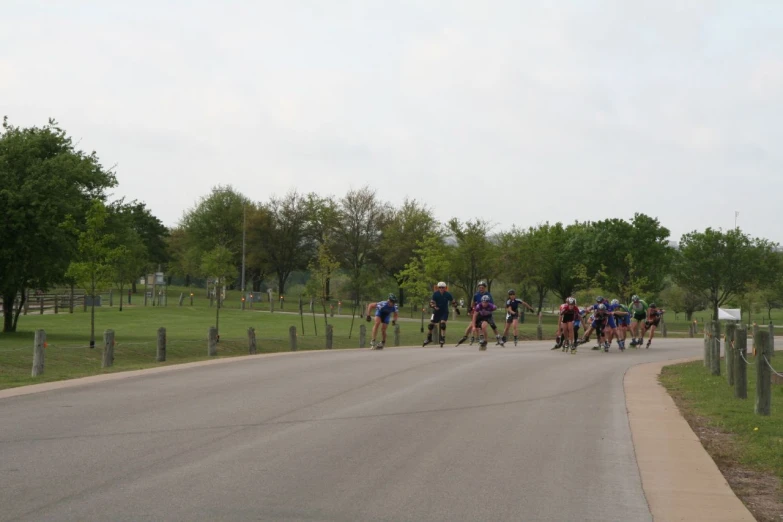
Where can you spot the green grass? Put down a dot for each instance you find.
(68, 354)
(756, 441)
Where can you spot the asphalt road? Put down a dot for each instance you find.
(516, 433)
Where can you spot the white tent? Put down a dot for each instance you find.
(729, 314)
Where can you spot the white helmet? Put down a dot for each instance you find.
(441, 285)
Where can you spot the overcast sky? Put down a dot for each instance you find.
(511, 111)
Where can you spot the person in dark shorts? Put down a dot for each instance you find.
(482, 317)
(512, 314)
(384, 312)
(653, 320)
(439, 302)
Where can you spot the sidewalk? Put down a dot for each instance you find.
(680, 480)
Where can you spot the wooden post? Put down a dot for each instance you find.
(181, 298)
(707, 348)
(664, 330)
(212, 341)
(292, 338)
(108, 348)
(329, 336)
(27, 302)
(38, 352)
(251, 340)
(763, 375)
(729, 352)
(41, 302)
(111, 297)
(540, 329)
(740, 366)
(396, 335)
(271, 304)
(331, 310)
(161, 345)
(362, 336)
(84, 301)
(70, 301)
(771, 348)
(715, 349)
(56, 303)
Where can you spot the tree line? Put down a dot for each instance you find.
(61, 228)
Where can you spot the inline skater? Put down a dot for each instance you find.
(482, 317)
(512, 314)
(653, 320)
(439, 302)
(482, 291)
(568, 314)
(384, 311)
(639, 310)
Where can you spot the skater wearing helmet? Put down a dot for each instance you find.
(384, 311)
(440, 302)
(639, 310)
(512, 314)
(482, 315)
(568, 314)
(653, 320)
(482, 291)
(622, 318)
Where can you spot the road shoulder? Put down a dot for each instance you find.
(680, 480)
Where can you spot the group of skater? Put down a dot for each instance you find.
(609, 320)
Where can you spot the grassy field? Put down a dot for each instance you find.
(747, 447)
(68, 354)
(68, 334)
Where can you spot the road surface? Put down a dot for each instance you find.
(516, 433)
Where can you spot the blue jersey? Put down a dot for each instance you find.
(385, 308)
(479, 295)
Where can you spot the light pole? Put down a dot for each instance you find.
(244, 223)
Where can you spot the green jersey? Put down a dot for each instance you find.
(638, 309)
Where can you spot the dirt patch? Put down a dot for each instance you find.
(760, 491)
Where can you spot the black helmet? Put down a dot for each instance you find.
(599, 299)
(392, 298)
(652, 305)
(512, 292)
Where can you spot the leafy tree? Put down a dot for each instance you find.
(407, 226)
(526, 257)
(216, 221)
(681, 300)
(474, 257)
(150, 235)
(427, 266)
(566, 271)
(721, 265)
(627, 258)
(323, 219)
(218, 264)
(43, 180)
(321, 269)
(356, 237)
(286, 243)
(96, 258)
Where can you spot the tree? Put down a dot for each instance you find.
(321, 226)
(216, 221)
(401, 234)
(680, 300)
(43, 180)
(721, 265)
(474, 256)
(626, 258)
(286, 243)
(430, 261)
(150, 235)
(321, 269)
(526, 257)
(218, 264)
(566, 269)
(95, 258)
(356, 237)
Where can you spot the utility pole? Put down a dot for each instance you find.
(244, 226)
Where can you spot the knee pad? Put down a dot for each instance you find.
(430, 327)
(443, 325)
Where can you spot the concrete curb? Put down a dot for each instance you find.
(679, 478)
